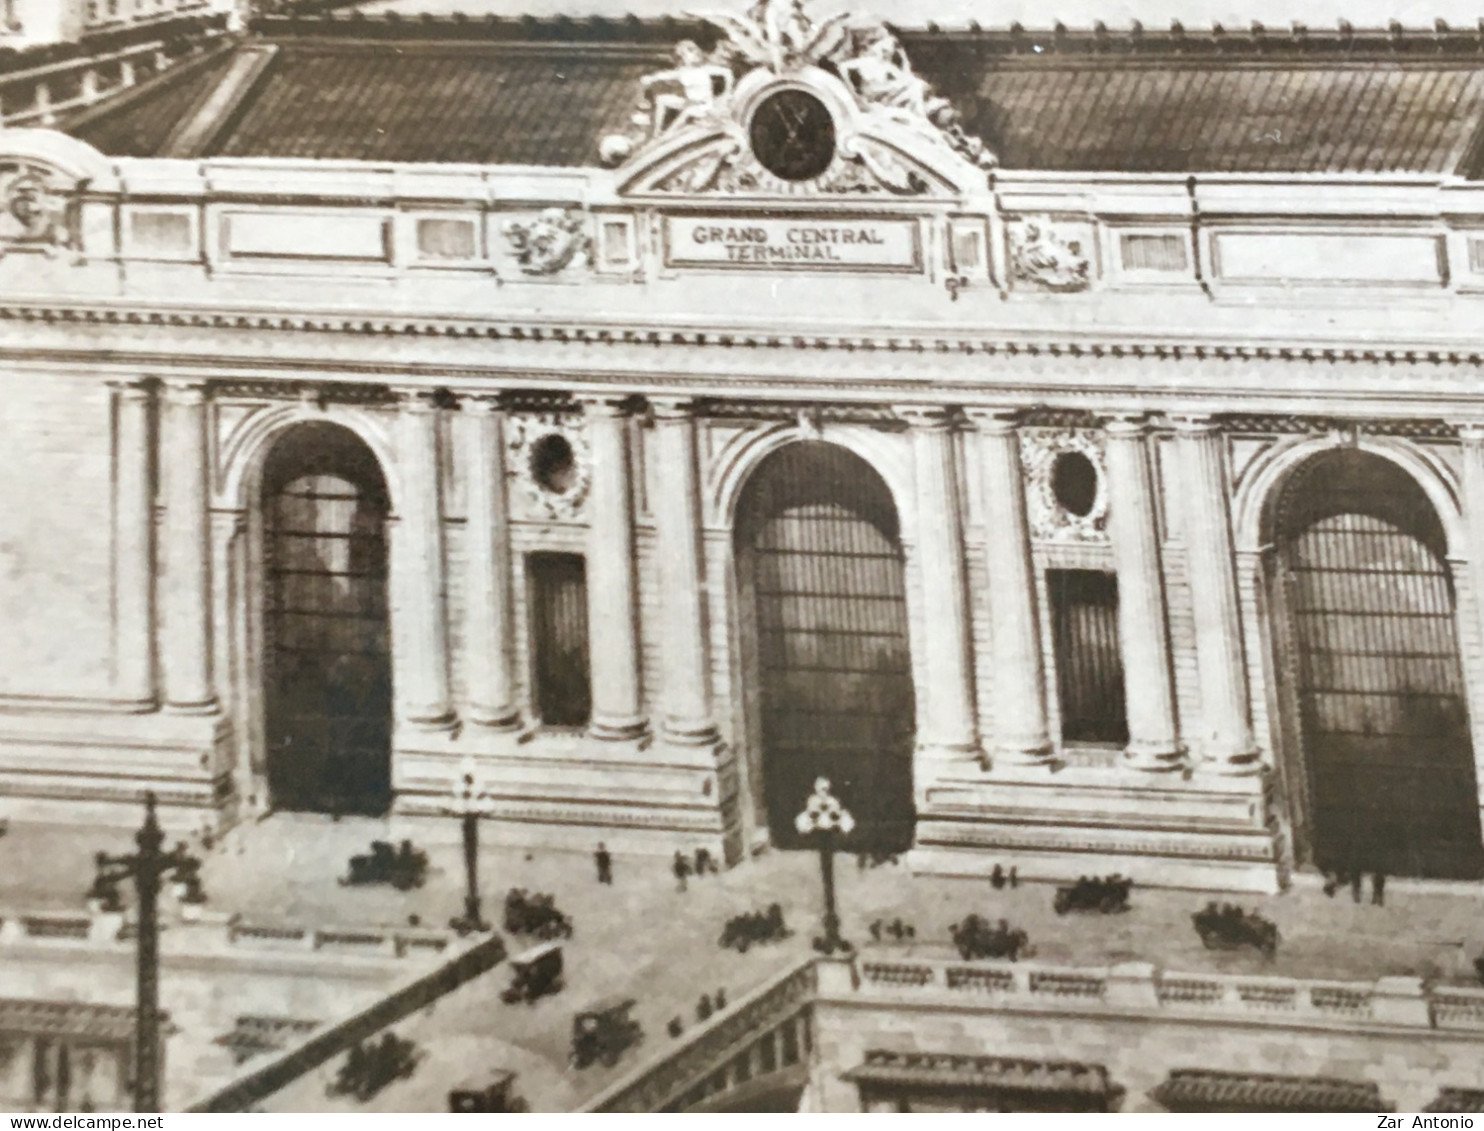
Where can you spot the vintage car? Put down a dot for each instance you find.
(603, 1032)
(493, 1098)
(534, 973)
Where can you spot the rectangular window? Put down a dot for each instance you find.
(1089, 664)
(1154, 253)
(558, 584)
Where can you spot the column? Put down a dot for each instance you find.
(417, 565)
(686, 651)
(1210, 556)
(1471, 436)
(947, 717)
(186, 596)
(1018, 664)
(489, 647)
(612, 602)
(134, 548)
(1149, 692)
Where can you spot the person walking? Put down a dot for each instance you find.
(681, 868)
(604, 861)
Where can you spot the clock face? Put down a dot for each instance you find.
(793, 135)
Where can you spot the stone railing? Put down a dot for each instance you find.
(707, 1060)
(204, 930)
(40, 96)
(331, 1040)
(1140, 987)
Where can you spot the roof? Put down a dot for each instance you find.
(980, 1073)
(532, 92)
(1457, 1101)
(1191, 1089)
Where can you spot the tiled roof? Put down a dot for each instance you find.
(935, 1070)
(1191, 1089)
(1457, 1101)
(139, 123)
(545, 93)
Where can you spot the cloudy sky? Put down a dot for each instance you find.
(1032, 13)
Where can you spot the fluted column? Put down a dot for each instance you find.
(612, 599)
(489, 647)
(947, 719)
(685, 651)
(1018, 666)
(186, 597)
(422, 666)
(1154, 742)
(134, 677)
(1226, 713)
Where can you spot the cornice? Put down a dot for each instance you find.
(599, 333)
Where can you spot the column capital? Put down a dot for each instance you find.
(995, 420)
(414, 399)
(605, 404)
(1195, 423)
(926, 418)
(184, 389)
(1470, 431)
(484, 404)
(1125, 425)
(672, 409)
(134, 388)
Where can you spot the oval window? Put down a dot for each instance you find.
(554, 464)
(1074, 482)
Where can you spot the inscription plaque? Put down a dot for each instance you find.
(774, 243)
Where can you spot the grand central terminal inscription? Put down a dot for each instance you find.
(864, 244)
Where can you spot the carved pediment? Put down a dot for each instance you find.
(789, 104)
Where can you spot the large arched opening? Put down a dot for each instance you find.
(326, 649)
(1380, 763)
(826, 660)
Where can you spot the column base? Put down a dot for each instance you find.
(196, 707)
(1155, 757)
(618, 730)
(689, 734)
(1244, 764)
(495, 718)
(1023, 754)
(432, 719)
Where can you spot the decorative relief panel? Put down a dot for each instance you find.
(1066, 485)
(549, 464)
(550, 242)
(1051, 256)
(38, 208)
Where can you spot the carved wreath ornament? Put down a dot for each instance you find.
(1043, 257)
(550, 463)
(550, 242)
(37, 208)
(1051, 520)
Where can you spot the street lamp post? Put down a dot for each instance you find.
(148, 867)
(822, 820)
(467, 808)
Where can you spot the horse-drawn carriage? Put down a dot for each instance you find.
(493, 1098)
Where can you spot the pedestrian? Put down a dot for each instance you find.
(604, 860)
(681, 868)
(997, 878)
(703, 1008)
(1378, 889)
(704, 863)
(675, 1028)
(720, 1000)
(1014, 877)
(1356, 880)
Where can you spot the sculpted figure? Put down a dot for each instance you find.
(881, 76)
(33, 212)
(697, 85)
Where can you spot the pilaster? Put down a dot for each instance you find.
(489, 646)
(186, 596)
(135, 678)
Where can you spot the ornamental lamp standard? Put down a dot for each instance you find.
(148, 868)
(822, 821)
(467, 807)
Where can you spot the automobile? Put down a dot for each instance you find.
(492, 1098)
(603, 1032)
(535, 972)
